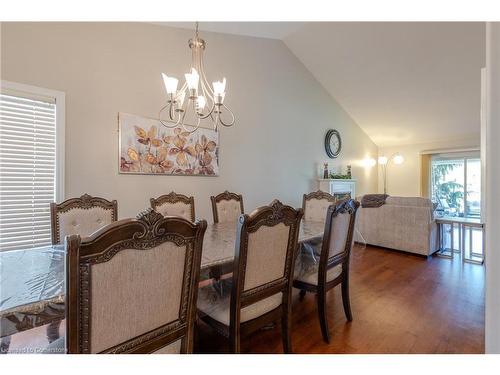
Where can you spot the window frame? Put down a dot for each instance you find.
(465, 156)
(60, 100)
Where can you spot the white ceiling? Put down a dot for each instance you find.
(273, 30)
(402, 82)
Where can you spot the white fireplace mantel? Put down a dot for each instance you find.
(338, 186)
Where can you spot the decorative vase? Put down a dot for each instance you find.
(325, 170)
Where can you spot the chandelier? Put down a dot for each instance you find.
(204, 102)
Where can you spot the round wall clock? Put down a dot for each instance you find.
(333, 143)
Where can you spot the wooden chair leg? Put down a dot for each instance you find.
(345, 299)
(194, 343)
(286, 329)
(302, 294)
(234, 344)
(323, 319)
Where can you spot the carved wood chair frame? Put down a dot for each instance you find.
(173, 198)
(149, 230)
(271, 215)
(227, 196)
(84, 202)
(326, 263)
(317, 195)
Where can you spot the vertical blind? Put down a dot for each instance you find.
(27, 170)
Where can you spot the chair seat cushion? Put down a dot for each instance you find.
(306, 268)
(215, 302)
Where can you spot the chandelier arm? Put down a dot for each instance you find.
(231, 123)
(163, 122)
(195, 127)
(180, 91)
(206, 91)
(204, 77)
(186, 104)
(201, 116)
(180, 118)
(169, 105)
(216, 120)
(210, 104)
(171, 111)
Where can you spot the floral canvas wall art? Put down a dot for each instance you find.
(148, 147)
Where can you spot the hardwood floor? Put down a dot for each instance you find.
(401, 303)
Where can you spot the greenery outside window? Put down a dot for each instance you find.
(456, 184)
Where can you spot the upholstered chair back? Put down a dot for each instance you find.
(82, 216)
(174, 204)
(338, 235)
(132, 286)
(316, 204)
(227, 207)
(265, 251)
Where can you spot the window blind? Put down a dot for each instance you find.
(27, 170)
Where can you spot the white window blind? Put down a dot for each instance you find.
(27, 170)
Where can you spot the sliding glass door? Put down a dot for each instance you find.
(456, 184)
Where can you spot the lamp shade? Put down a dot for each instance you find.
(219, 87)
(170, 83)
(398, 159)
(382, 160)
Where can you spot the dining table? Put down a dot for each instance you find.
(32, 281)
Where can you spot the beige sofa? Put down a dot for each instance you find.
(402, 223)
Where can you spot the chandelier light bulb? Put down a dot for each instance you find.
(192, 79)
(170, 83)
(219, 87)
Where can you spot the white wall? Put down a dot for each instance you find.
(404, 179)
(492, 326)
(105, 68)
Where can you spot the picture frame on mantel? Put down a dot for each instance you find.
(147, 147)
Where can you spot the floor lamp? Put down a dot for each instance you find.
(384, 161)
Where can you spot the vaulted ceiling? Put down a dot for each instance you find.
(402, 82)
(272, 30)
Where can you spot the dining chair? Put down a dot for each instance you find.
(174, 204)
(261, 283)
(132, 286)
(316, 204)
(333, 266)
(227, 207)
(81, 216)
